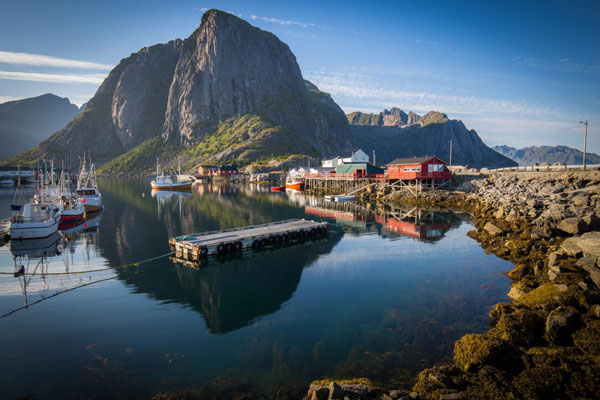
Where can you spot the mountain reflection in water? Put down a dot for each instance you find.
(384, 296)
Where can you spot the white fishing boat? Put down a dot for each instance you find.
(170, 182)
(87, 189)
(34, 221)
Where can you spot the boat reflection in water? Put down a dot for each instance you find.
(37, 261)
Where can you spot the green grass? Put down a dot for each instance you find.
(142, 158)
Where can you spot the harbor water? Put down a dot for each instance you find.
(103, 312)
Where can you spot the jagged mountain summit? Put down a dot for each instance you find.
(395, 133)
(25, 123)
(230, 91)
(395, 117)
(549, 154)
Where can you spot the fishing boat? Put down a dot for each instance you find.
(87, 189)
(170, 182)
(71, 207)
(34, 221)
(294, 183)
(278, 189)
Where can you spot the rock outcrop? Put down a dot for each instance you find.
(230, 85)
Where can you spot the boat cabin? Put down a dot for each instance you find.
(419, 168)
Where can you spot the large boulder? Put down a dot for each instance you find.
(573, 226)
(559, 325)
(472, 352)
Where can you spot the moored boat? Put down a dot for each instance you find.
(34, 221)
(170, 182)
(87, 189)
(294, 183)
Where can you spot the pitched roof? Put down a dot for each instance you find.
(413, 160)
(350, 153)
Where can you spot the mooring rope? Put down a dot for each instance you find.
(67, 290)
(133, 264)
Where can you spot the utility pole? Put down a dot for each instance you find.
(450, 152)
(374, 163)
(584, 142)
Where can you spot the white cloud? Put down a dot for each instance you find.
(4, 99)
(7, 57)
(355, 87)
(95, 79)
(281, 21)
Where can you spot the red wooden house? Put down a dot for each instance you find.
(419, 168)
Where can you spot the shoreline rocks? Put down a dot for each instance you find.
(544, 343)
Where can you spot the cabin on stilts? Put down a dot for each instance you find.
(419, 173)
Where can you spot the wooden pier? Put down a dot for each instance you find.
(216, 243)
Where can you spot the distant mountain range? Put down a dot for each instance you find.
(394, 133)
(549, 154)
(25, 123)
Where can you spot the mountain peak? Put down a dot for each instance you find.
(231, 90)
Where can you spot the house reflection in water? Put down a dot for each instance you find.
(418, 224)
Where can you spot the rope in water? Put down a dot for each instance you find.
(65, 291)
(133, 264)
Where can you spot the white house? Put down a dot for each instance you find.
(331, 163)
(355, 156)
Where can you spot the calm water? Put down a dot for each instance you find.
(382, 297)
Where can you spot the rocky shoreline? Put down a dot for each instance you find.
(545, 342)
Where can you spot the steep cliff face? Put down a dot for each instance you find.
(426, 135)
(200, 94)
(228, 68)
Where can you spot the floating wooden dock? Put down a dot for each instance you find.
(215, 243)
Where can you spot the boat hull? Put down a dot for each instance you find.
(172, 186)
(294, 186)
(33, 230)
(72, 216)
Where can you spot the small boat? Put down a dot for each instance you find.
(36, 220)
(87, 189)
(278, 189)
(170, 182)
(294, 183)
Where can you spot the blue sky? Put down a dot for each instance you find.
(520, 73)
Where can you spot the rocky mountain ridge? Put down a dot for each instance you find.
(549, 154)
(395, 133)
